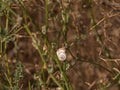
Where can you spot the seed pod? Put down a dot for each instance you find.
(61, 54)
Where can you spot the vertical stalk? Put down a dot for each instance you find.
(8, 73)
(46, 22)
(0, 38)
(65, 31)
(46, 13)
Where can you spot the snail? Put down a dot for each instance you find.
(61, 54)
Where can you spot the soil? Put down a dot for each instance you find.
(84, 73)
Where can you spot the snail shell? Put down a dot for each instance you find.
(61, 54)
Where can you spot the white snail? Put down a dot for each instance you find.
(61, 54)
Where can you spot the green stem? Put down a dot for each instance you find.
(46, 13)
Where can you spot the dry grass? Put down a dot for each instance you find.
(31, 31)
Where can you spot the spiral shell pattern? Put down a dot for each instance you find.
(61, 54)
